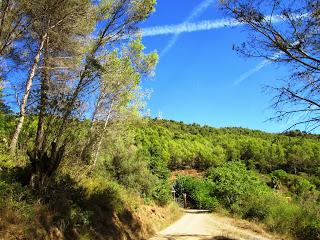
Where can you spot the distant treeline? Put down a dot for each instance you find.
(178, 146)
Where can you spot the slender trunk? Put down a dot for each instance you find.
(90, 137)
(82, 82)
(4, 11)
(23, 105)
(101, 137)
(43, 97)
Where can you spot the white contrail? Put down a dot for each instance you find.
(195, 13)
(197, 26)
(189, 27)
(199, 10)
(259, 66)
(205, 26)
(252, 71)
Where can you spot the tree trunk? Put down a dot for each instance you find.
(44, 164)
(101, 137)
(24, 101)
(43, 98)
(85, 152)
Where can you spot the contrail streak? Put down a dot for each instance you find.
(195, 13)
(252, 71)
(189, 27)
(259, 66)
(197, 26)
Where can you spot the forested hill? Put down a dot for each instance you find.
(178, 146)
(266, 177)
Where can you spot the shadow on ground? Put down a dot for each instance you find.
(67, 210)
(100, 214)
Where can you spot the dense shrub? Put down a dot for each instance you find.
(299, 186)
(244, 194)
(131, 173)
(103, 192)
(161, 193)
(198, 192)
(232, 182)
(17, 198)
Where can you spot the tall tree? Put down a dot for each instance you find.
(12, 24)
(119, 88)
(13, 27)
(118, 20)
(68, 102)
(286, 32)
(117, 23)
(47, 21)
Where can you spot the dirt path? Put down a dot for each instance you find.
(195, 225)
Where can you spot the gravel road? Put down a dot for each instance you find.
(199, 225)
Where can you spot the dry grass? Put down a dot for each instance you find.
(256, 227)
(186, 172)
(156, 218)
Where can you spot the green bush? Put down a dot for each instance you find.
(104, 192)
(258, 207)
(16, 197)
(245, 195)
(233, 182)
(132, 173)
(301, 186)
(283, 217)
(161, 193)
(198, 192)
(278, 177)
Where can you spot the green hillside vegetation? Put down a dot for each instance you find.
(180, 146)
(78, 202)
(79, 161)
(270, 178)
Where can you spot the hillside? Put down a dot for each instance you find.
(81, 158)
(180, 146)
(270, 178)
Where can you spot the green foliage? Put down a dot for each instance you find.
(133, 174)
(301, 186)
(181, 146)
(232, 182)
(297, 185)
(161, 193)
(284, 217)
(110, 190)
(7, 125)
(199, 192)
(240, 190)
(141, 9)
(136, 159)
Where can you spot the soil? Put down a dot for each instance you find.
(200, 225)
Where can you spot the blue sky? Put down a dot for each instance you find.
(198, 79)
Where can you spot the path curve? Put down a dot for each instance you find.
(195, 225)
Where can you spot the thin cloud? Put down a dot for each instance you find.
(259, 66)
(252, 71)
(196, 26)
(194, 14)
(189, 27)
